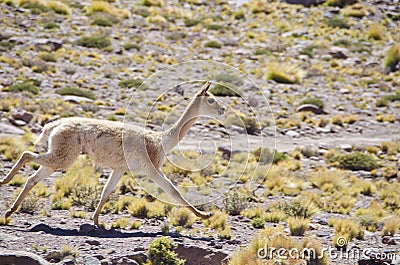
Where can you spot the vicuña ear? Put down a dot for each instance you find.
(204, 89)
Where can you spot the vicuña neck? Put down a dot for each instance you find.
(173, 135)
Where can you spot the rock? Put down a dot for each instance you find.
(338, 53)
(9, 129)
(306, 3)
(293, 134)
(20, 114)
(68, 261)
(93, 242)
(92, 261)
(388, 240)
(346, 147)
(131, 259)
(53, 256)
(324, 130)
(8, 257)
(311, 107)
(86, 228)
(77, 100)
(47, 44)
(195, 255)
(18, 123)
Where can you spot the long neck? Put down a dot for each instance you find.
(172, 136)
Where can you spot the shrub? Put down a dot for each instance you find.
(79, 214)
(258, 223)
(181, 217)
(285, 74)
(94, 41)
(24, 86)
(223, 91)
(29, 204)
(139, 208)
(217, 221)
(356, 10)
(50, 25)
(275, 216)
(340, 3)
(161, 251)
(4, 221)
(357, 161)
(129, 46)
(314, 101)
(36, 6)
(107, 8)
(213, 44)
(298, 225)
(345, 231)
(191, 22)
(48, 57)
(59, 7)
(61, 204)
(235, 202)
(337, 22)
(377, 32)
(102, 21)
(391, 227)
(136, 224)
(121, 223)
(131, 82)
(392, 58)
(74, 91)
(389, 172)
(158, 3)
(382, 102)
(17, 181)
(297, 208)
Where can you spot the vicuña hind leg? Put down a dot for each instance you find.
(107, 190)
(26, 157)
(161, 180)
(39, 175)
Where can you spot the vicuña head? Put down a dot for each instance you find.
(114, 145)
(209, 105)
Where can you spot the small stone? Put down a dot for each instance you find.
(346, 147)
(293, 134)
(9, 129)
(93, 242)
(20, 114)
(86, 228)
(91, 261)
(77, 100)
(388, 240)
(18, 123)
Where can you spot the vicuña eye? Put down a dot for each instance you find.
(211, 101)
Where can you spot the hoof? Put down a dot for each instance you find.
(8, 214)
(206, 215)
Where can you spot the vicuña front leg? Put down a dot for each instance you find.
(161, 180)
(42, 173)
(107, 190)
(23, 159)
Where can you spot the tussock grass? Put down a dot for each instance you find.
(75, 91)
(392, 58)
(181, 217)
(105, 7)
(298, 225)
(285, 74)
(391, 226)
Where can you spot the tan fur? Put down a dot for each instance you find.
(115, 145)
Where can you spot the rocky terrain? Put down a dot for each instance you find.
(318, 83)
